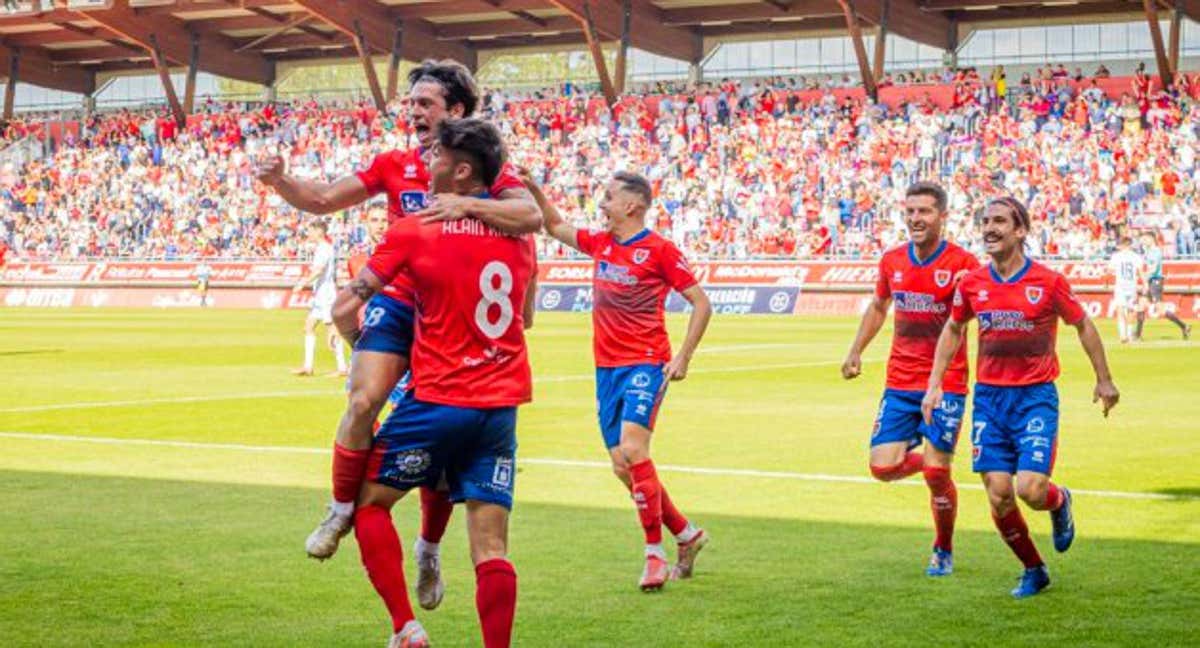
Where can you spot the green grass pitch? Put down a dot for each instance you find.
(179, 535)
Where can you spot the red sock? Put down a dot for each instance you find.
(496, 601)
(1054, 498)
(912, 464)
(349, 468)
(943, 501)
(647, 494)
(436, 508)
(671, 516)
(379, 545)
(1016, 534)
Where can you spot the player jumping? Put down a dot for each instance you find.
(322, 278)
(919, 278)
(438, 90)
(471, 371)
(1015, 419)
(1154, 289)
(1127, 268)
(635, 269)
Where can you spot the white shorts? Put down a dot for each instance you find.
(322, 310)
(1125, 298)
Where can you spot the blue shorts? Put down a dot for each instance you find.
(1015, 428)
(632, 394)
(387, 326)
(900, 419)
(473, 449)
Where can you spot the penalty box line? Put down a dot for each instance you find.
(562, 463)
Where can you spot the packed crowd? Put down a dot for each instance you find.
(741, 170)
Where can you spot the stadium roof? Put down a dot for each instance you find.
(66, 44)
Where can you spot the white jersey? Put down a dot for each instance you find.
(325, 262)
(1127, 266)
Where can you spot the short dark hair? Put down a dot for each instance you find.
(319, 224)
(476, 142)
(1020, 213)
(929, 189)
(456, 80)
(635, 184)
(1125, 240)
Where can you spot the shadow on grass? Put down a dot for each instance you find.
(103, 561)
(1186, 492)
(23, 352)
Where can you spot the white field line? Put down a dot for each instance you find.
(332, 392)
(557, 463)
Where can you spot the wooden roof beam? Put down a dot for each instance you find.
(37, 68)
(379, 29)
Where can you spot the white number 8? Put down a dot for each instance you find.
(493, 295)
(373, 317)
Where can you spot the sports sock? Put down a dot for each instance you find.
(436, 508)
(674, 520)
(943, 501)
(688, 534)
(339, 354)
(349, 468)
(1054, 499)
(912, 464)
(310, 348)
(647, 495)
(1122, 328)
(383, 558)
(496, 601)
(1141, 323)
(1015, 532)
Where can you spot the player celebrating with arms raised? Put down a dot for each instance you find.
(470, 372)
(1015, 419)
(919, 278)
(635, 269)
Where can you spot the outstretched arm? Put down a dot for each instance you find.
(702, 311)
(555, 225)
(868, 328)
(1106, 392)
(948, 343)
(310, 195)
(513, 211)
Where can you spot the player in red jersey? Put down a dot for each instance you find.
(439, 90)
(919, 278)
(1015, 420)
(634, 271)
(470, 372)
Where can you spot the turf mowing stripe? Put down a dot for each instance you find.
(324, 392)
(564, 463)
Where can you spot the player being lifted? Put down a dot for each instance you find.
(1154, 289)
(438, 90)
(322, 278)
(470, 372)
(1015, 419)
(635, 269)
(1128, 269)
(919, 278)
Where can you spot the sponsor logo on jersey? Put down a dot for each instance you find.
(410, 171)
(1003, 320)
(608, 271)
(413, 201)
(942, 278)
(1033, 294)
(914, 302)
(640, 256)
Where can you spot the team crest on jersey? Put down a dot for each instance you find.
(413, 201)
(941, 278)
(982, 296)
(1033, 294)
(640, 256)
(897, 276)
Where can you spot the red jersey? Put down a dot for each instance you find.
(922, 292)
(631, 281)
(470, 282)
(1018, 322)
(403, 176)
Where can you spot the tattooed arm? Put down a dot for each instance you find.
(350, 302)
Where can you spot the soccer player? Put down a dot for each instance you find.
(438, 90)
(1015, 421)
(1127, 269)
(634, 271)
(322, 278)
(203, 273)
(470, 372)
(1154, 289)
(919, 278)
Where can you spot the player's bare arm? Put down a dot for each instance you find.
(553, 222)
(307, 281)
(702, 310)
(872, 320)
(310, 195)
(350, 299)
(948, 343)
(512, 211)
(1106, 391)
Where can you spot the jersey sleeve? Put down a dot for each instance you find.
(883, 288)
(507, 179)
(1066, 304)
(391, 255)
(675, 268)
(587, 240)
(372, 177)
(960, 308)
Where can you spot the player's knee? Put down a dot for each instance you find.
(1001, 500)
(887, 473)
(634, 452)
(936, 476)
(1032, 492)
(362, 405)
(621, 471)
